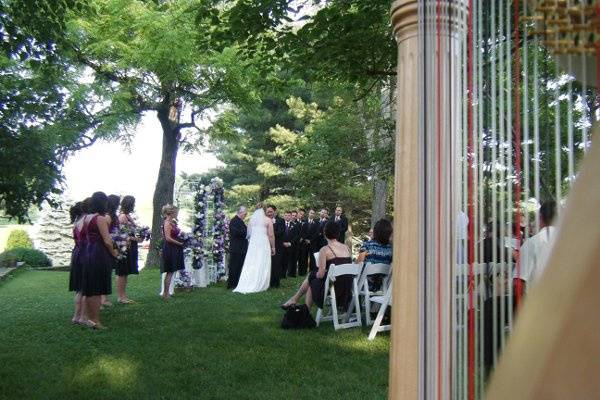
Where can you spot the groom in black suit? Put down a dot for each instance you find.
(277, 259)
(238, 245)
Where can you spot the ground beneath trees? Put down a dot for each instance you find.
(207, 344)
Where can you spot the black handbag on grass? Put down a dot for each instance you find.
(298, 317)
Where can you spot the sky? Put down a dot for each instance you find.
(113, 169)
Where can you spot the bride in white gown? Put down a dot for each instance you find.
(256, 272)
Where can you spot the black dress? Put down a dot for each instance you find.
(342, 284)
(79, 236)
(172, 255)
(97, 263)
(129, 264)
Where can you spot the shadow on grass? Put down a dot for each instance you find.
(209, 343)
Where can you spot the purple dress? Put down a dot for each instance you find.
(75, 274)
(97, 263)
(172, 254)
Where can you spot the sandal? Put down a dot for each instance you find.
(126, 301)
(95, 326)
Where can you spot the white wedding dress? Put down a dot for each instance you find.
(256, 272)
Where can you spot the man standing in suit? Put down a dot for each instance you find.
(302, 245)
(311, 238)
(342, 221)
(238, 245)
(323, 218)
(276, 260)
(289, 243)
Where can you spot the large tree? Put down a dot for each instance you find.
(172, 59)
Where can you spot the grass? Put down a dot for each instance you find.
(207, 344)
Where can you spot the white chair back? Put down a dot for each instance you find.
(344, 269)
(329, 311)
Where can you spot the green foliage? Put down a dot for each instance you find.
(18, 238)
(31, 257)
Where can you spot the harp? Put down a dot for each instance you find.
(495, 107)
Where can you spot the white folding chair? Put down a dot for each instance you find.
(329, 311)
(384, 302)
(363, 286)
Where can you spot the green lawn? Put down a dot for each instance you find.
(207, 344)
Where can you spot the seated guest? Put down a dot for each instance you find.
(334, 253)
(378, 250)
(536, 249)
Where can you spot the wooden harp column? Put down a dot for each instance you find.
(493, 113)
(428, 103)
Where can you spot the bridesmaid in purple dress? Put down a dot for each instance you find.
(113, 225)
(77, 214)
(97, 259)
(172, 250)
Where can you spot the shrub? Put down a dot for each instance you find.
(31, 257)
(18, 238)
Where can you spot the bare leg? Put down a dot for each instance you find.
(167, 285)
(121, 286)
(104, 301)
(93, 309)
(308, 300)
(78, 308)
(301, 291)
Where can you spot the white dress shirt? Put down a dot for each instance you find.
(534, 255)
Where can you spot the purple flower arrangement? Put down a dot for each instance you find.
(143, 233)
(199, 230)
(218, 230)
(119, 237)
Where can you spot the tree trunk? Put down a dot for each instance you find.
(379, 204)
(168, 116)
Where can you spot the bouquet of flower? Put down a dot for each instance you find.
(143, 233)
(189, 241)
(119, 237)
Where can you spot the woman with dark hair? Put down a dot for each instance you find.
(378, 250)
(333, 253)
(129, 264)
(172, 250)
(77, 219)
(113, 226)
(113, 206)
(98, 259)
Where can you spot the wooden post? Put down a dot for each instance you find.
(404, 352)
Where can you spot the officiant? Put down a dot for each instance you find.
(238, 245)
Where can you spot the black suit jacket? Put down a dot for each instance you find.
(311, 232)
(292, 234)
(279, 231)
(238, 244)
(343, 223)
(322, 240)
